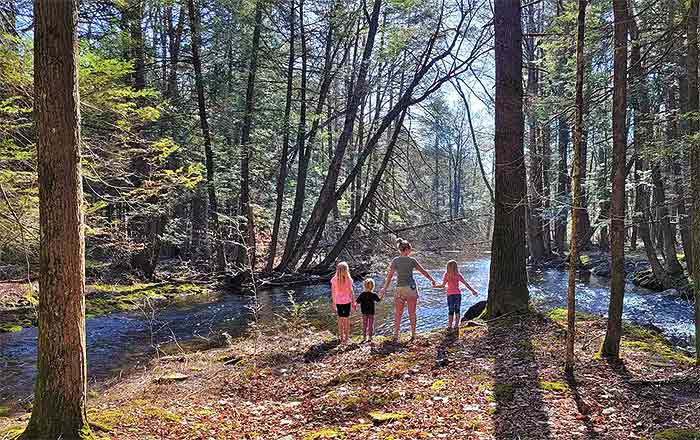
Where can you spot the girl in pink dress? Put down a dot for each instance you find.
(452, 279)
(342, 299)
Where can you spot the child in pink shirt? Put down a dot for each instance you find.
(452, 279)
(342, 299)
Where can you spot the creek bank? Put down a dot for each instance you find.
(19, 311)
(501, 379)
(637, 271)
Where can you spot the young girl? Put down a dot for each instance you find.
(367, 299)
(452, 279)
(342, 301)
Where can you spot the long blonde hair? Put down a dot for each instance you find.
(342, 273)
(452, 269)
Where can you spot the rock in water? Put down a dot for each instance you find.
(474, 311)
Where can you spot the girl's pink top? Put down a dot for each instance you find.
(453, 283)
(342, 292)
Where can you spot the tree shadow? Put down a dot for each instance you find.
(581, 405)
(442, 351)
(519, 410)
(319, 351)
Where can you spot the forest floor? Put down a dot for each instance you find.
(495, 380)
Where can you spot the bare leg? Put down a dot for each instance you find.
(412, 303)
(340, 329)
(458, 318)
(449, 321)
(398, 313)
(370, 327)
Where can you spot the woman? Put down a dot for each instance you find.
(406, 291)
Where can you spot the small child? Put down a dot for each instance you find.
(452, 279)
(367, 299)
(342, 299)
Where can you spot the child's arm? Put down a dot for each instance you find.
(441, 285)
(332, 297)
(463, 281)
(352, 297)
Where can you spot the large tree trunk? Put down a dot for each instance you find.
(611, 344)
(576, 190)
(694, 155)
(61, 385)
(508, 282)
(213, 211)
(284, 159)
(684, 219)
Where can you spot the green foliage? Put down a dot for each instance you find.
(678, 434)
(555, 386)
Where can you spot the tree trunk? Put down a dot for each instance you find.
(282, 175)
(508, 282)
(673, 266)
(213, 211)
(314, 227)
(562, 185)
(247, 255)
(611, 344)
(59, 406)
(576, 190)
(694, 155)
(174, 38)
(534, 223)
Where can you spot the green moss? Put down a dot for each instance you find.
(556, 386)
(383, 417)
(122, 298)
(438, 385)
(106, 420)
(640, 338)
(12, 432)
(4, 411)
(325, 433)
(10, 328)
(678, 434)
(560, 315)
(162, 414)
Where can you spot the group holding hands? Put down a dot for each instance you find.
(405, 294)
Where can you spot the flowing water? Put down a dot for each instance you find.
(126, 341)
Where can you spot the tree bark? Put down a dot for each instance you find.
(611, 344)
(213, 205)
(508, 290)
(694, 156)
(247, 256)
(174, 39)
(562, 185)
(576, 187)
(59, 407)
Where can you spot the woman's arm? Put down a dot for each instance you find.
(387, 282)
(425, 273)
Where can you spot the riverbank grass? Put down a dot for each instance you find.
(502, 379)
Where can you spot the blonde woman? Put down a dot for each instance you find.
(406, 293)
(342, 299)
(452, 279)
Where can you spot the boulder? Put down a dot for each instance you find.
(474, 311)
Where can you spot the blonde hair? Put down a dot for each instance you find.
(452, 269)
(368, 284)
(342, 272)
(403, 245)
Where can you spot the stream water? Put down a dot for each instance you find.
(124, 341)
